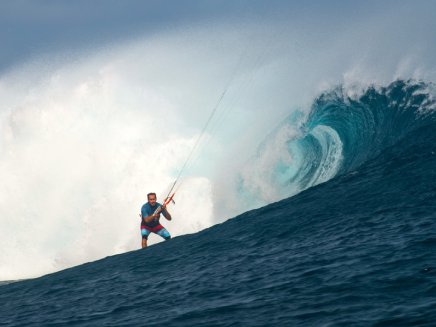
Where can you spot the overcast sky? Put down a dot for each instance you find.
(31, 28)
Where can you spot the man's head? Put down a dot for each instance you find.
(151, 197)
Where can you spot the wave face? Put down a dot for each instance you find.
(345, 128)
(369, 123)
(356, 250)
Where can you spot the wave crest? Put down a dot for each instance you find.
(341, 132)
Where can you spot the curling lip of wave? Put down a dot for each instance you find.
(342, 131)
(376, 119)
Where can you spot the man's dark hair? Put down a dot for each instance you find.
(149, 194)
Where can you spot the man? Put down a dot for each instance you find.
(150, 215)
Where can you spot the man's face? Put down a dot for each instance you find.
(152, 200)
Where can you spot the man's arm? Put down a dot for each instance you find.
(165, 213)
(150, 218)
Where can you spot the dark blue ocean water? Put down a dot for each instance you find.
(358, 250)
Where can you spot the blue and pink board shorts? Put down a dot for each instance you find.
(159, 230)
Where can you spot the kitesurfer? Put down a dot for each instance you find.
(150, 215)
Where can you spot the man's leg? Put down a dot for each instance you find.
(164, 233)
(144, 232)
